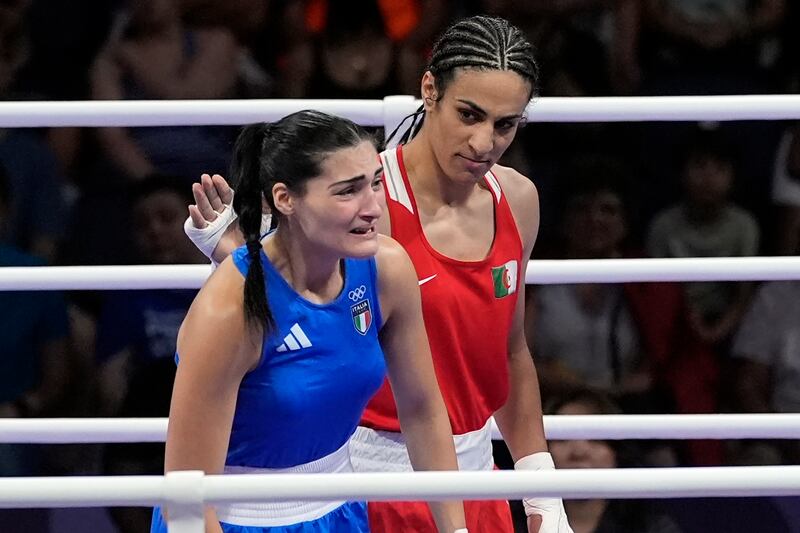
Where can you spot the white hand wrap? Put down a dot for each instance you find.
(207, 238)
(462, 530)
(554, 518)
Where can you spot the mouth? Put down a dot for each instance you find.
(474, 161)
(365, 230)
(474, 165)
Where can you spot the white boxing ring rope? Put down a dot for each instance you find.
(556, 427)
(538, 272)
(389, 111)
(617, 483)
(185, 492)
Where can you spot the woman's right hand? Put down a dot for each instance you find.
(211, 220)
(211, 195)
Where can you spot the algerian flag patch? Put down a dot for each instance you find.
(505, 279)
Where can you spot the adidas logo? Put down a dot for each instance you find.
(295, 340)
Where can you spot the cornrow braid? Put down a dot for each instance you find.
(483, 42)
(479, 42)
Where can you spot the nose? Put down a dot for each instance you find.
(371, 208)
(482, 140)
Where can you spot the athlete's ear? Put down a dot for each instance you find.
(428, 90)
(283, 199)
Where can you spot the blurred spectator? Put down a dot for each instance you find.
(34, 369)
(362, 49)
(137, 332)
(711, 47)
(630, 340)
(14, 42)
(137, 328)
(34, 219)
(590, 335)
(707, 224)
(244, 17)
(789, 75)
(767, 348)
(37, 211)
(247, 20)
(786, 191)
(152, 54)
(692, 515)
(603, 516)
(63, 38)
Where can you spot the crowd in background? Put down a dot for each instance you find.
(83, 196)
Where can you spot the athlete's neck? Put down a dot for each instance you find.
(312, 273)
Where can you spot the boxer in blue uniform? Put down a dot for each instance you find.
(280, 350)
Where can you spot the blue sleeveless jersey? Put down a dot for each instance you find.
(319, 368)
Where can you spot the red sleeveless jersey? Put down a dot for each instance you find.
(467, 306)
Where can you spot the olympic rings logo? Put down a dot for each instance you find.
(356, 294)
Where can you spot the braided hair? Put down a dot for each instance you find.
(289, 151)
(478, 42)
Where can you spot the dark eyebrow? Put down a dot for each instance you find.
(354, 179)
(349, 181)
(476, 107)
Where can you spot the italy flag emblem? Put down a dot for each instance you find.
(362, 316)
(505, 279)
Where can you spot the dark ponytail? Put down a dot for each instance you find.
(289, 151)
(417, 118)
(247, 178)
(479, 42)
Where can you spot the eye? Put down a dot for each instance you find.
(467, 115)
(505, 125)
(347, 191)
(377, 184)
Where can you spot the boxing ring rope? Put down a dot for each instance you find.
(185, 492)
(389, 111)
(557, 427)
(580, 483)
(540, 271)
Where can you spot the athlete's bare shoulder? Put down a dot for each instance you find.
(389, 252)
(221, 296)
(215, 323)
(393, 261)
(397, 279)
(515, 183)
(522, 197)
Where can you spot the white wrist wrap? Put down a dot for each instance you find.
(554, 518)
(462, 530)
(207, 238)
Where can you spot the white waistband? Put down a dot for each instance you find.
(385, 451)
(271, 514)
